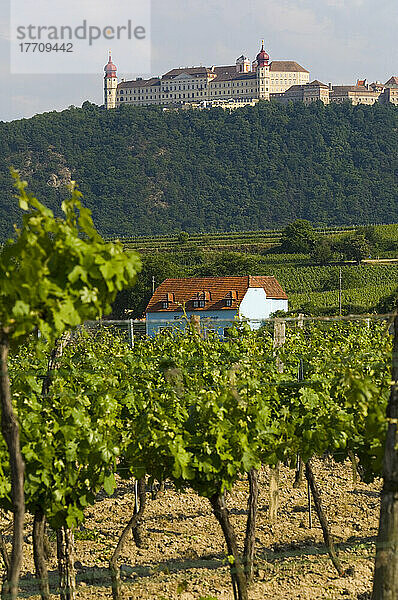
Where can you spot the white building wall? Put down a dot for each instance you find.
(256, 306)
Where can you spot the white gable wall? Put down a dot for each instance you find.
(255, 305)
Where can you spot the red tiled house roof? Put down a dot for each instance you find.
(213, 290)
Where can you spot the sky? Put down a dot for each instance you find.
(338, 41)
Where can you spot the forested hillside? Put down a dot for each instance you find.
(145, 171)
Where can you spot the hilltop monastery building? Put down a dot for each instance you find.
(240, 84)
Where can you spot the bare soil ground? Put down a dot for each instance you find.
(184, 556)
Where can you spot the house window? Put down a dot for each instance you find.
(165, 304)
(228, 302)
(198, 303)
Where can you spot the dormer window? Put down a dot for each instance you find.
(167, 300)
(200, 299)
(198, 303)
(230, 297)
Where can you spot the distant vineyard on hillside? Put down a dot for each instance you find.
(233, 240)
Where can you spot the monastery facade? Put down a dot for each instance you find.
(244, 83)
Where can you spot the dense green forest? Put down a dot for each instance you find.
(145, 171)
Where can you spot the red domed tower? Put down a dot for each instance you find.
(110, 83)
(110, 68)
(262, 57)
(262, 74)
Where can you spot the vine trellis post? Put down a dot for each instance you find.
(279, 340)
(385, 582)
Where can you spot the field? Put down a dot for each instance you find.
(313, 288)
(249, 241)
(184, 556)
(354, 300)
(206, 416)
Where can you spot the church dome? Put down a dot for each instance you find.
(262, 57)
(110, 69)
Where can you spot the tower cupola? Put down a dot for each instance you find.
(262, 57)
(110, 69)
(242, 64)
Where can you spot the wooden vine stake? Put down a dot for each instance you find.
(274, 494)
(354, 467)
(250, 537)
(195, 324)
(299, 473)
(279, 340)
(385, 581)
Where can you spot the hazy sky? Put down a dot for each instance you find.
(336, 40)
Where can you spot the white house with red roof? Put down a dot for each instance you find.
(218, 301)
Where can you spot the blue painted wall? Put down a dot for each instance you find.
(216, 320)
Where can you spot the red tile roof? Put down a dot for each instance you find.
(272, 287)
(290, 66)
(215, 290)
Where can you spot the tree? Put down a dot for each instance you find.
(322, 251)
(354, 247)
(298, 237)
(387, 303)
(370, 233)
(132, 301)
(183, 237)
(227, 263)
(55, 274)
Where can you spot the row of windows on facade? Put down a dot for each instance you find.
(356, 99)
(188, 87)
(237, 91)
(201, 87)
(165, 96)
(198, 303)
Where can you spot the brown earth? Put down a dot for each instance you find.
(184, 555)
